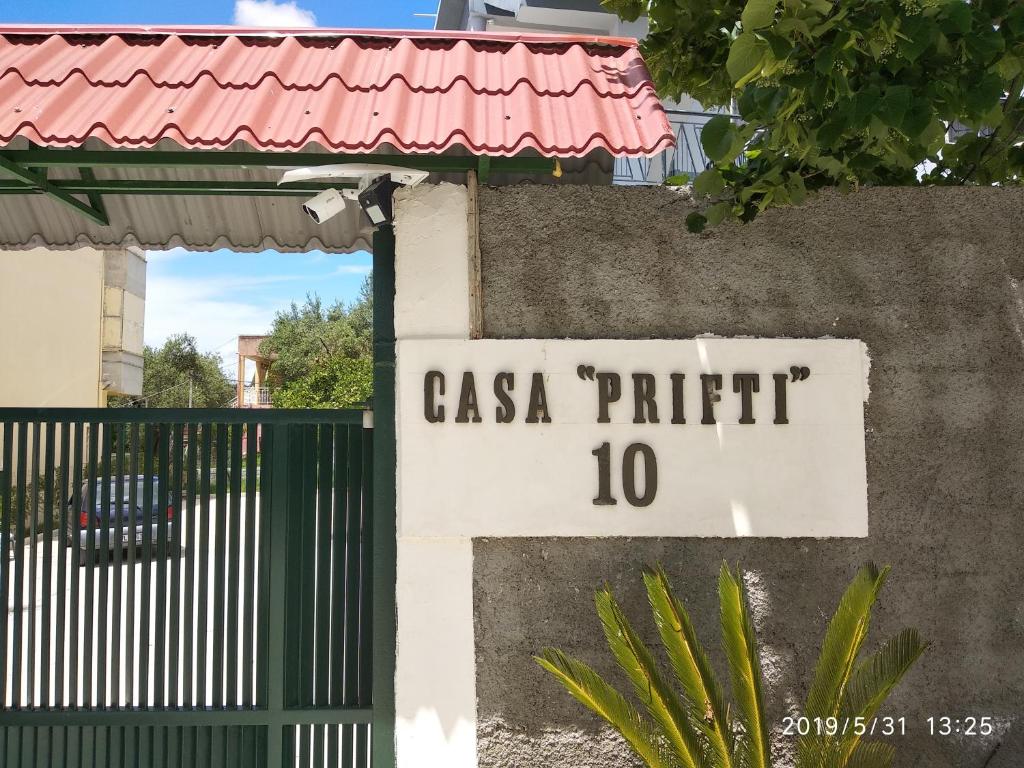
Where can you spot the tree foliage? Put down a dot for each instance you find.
(337, 382)
(323, 354)
(697, 729)
(841, 93)
(166, 374)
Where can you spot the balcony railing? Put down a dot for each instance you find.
(256, 397)
(686, 157)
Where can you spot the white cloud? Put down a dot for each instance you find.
(209, 309)
(160, 257)
(353, 269)
(267, 13)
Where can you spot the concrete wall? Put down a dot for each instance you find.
(930, 281)
(72, 325)
(51, 312)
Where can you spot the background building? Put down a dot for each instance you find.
(72, 326)
(252, 391)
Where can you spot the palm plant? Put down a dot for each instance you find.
(698, 729)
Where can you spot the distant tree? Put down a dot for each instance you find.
(166, 374)
(323, 355)
(340, 382)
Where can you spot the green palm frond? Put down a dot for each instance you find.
(876, 676)
(691, 666)
(871, 754)
(594, 693)
(843, 641)
(741, 650)
(874, 679)
(699, 730)
(638, 664)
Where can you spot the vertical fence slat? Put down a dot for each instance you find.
(304, 739)
(318, 745)
(338, 526)
(89, 630)
(33, 550)
(288, 746)
(174, 536)
(44, 747)
(217, 746)
(267, 512)
(106, 521)
(231, 748)
(164, 480)
(293, 573)
(131, 743)
(322, 636)
(248, 579)
(348, 745)
(234, 540)
(131, 583)
(352, 524)
(11, 746)
(203, 522)
(63, 538)
(146, 557)
(6, 482)
(332, 745)
(188, 739)
(116, 624)
(306, 563)
(19, 565)
(189, 519)
(78, 507)
(48, 543)
(219, 565)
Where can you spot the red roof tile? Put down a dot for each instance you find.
(347, 90)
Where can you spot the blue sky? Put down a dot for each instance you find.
(222, 295)
(219, 296)
(386, 14)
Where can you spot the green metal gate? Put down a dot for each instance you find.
(221, 613)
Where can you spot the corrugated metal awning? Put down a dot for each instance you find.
(196, 222)
(333, 91)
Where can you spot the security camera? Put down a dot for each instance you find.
(324, 206)
(374, 187)
(375, 200)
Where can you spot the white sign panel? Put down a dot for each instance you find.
(703, 437)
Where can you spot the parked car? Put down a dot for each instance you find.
(125, 525)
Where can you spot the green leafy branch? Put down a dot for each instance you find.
(841, 94)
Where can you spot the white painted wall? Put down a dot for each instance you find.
(435, 673)
(435, 692)
(432, 262)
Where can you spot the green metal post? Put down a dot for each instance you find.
(384, 544)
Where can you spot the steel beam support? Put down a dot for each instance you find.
(95, 198)
(205, 158)
(96, 187)
(21, 173)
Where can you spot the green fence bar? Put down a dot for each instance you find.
(185, 589)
